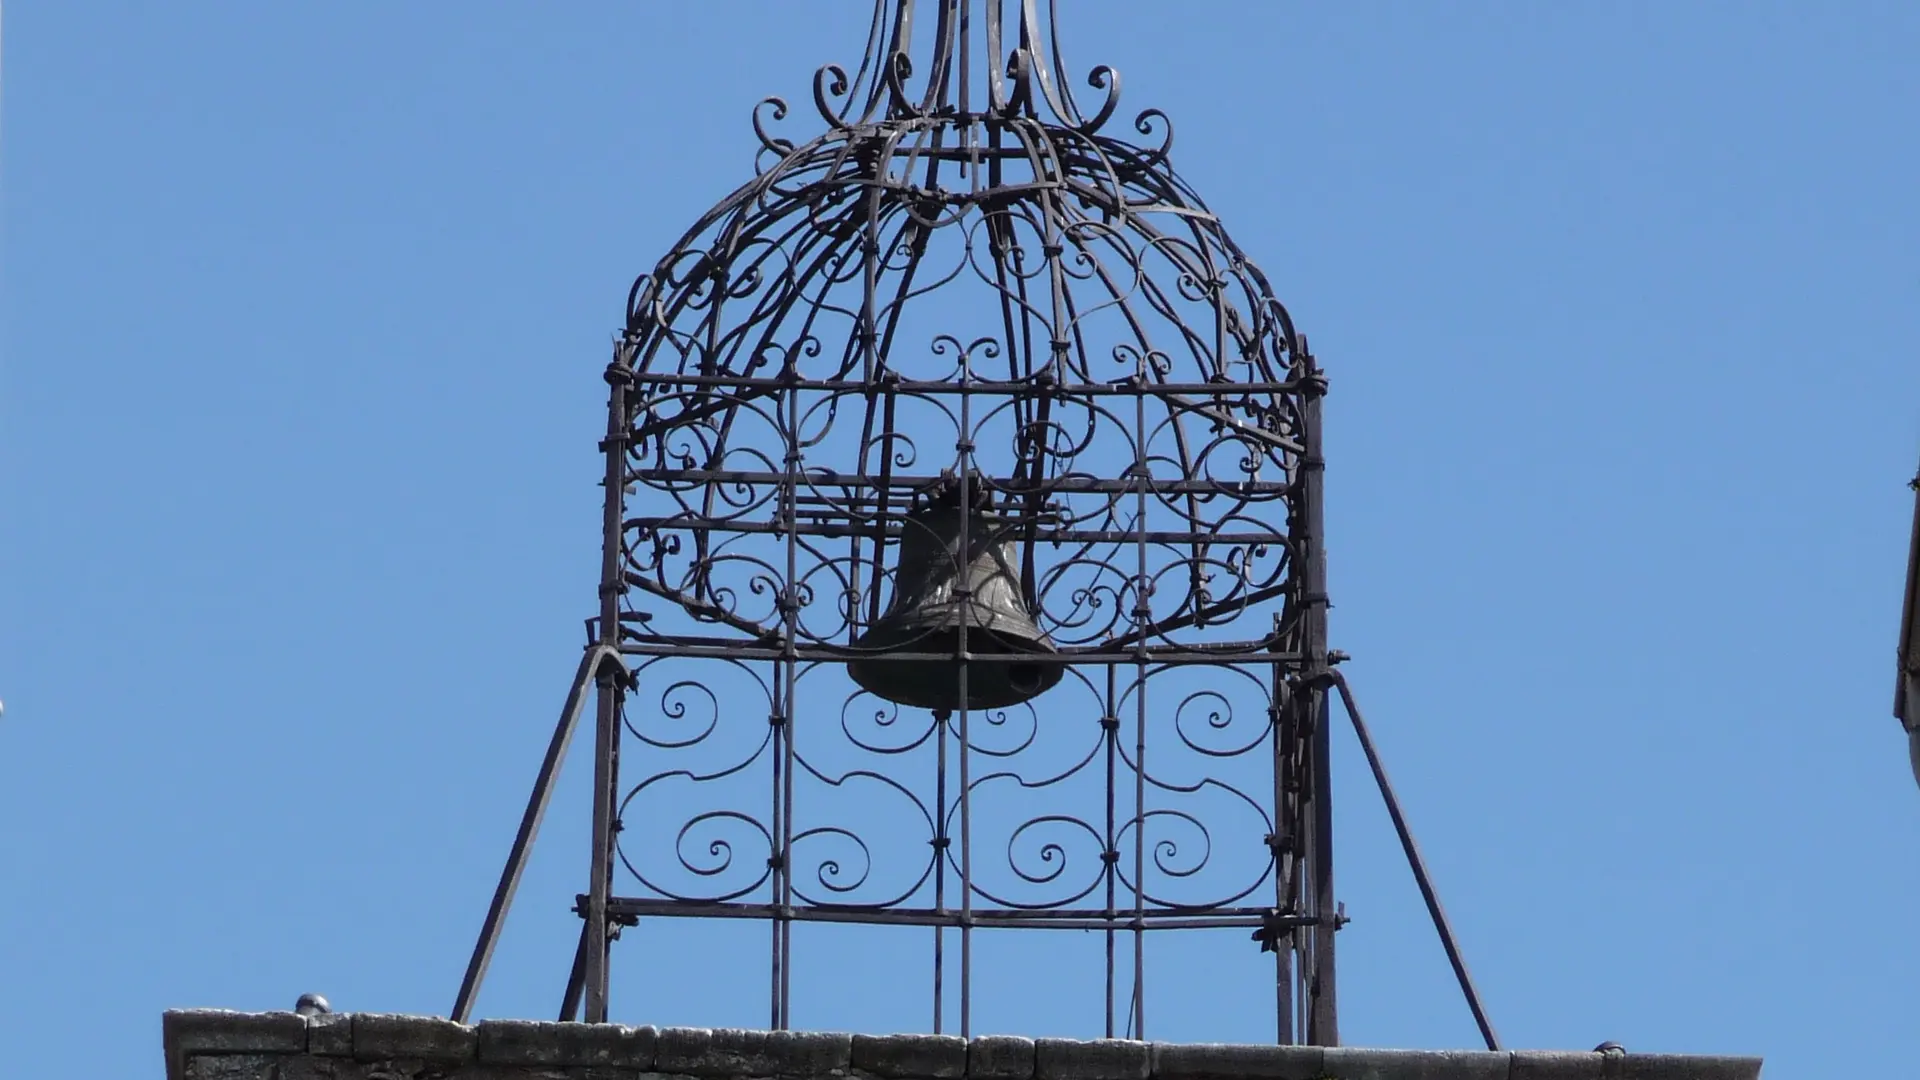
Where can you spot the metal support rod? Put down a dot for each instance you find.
(576, 979)
(1419, 866)
(529, 828)
(619, 377)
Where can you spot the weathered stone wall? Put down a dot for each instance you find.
(217, 1045)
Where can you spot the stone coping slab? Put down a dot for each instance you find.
(210, 1044)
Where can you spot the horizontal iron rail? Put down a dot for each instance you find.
(1116, 388)
(1015, 919)
(1220, 393)
(1250, 654)
(1038, 536)
(1228, 610)
(907, 484)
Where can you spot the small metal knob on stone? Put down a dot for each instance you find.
(312, 1005)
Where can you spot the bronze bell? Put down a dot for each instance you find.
(928, 610)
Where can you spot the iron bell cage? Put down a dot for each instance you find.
(963, 563)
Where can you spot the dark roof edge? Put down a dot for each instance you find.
(725, 1053)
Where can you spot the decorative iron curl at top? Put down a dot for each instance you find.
(971, 58)
(933, 129)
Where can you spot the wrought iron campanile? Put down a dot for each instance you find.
(963, 562)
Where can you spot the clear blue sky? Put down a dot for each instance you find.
(306, 307)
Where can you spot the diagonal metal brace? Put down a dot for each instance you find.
(591, 665)
(1418, 864)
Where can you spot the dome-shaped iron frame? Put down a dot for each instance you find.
(966, 281)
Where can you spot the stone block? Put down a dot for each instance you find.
(385, 1037)
(1201, 1061)
(730, 1052)
(221, 1031)
(330, 1035)
(1632, 1066)
(1346, 1063)
(478, 1071)
(1000, 1057)
(218, 1031)
(416, 1069)
(676, 1048)
(257, 1066)
(1099, 1059)
(533, 1042)
(911, 1057)
(571, 1072)
(1555, 1065)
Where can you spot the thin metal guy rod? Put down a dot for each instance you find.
(529, 827)
(1419, 865)
(576, 979)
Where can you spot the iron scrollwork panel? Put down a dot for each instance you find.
(996, 292)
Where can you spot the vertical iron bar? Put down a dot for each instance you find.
(882, 490)
(1110, 858)
(996, 90)
(966, 62)
(1279, 848)
(786, 872)
(619, 376)
(1143, 617)
(1323, 1028)
(942, 730)
(1324, 1024)
(788, 674)
(964, 451)
(1138, 1020)
(966, 866)
(776, 969)
(597, 976)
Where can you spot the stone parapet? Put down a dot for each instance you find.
(220, 1045)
